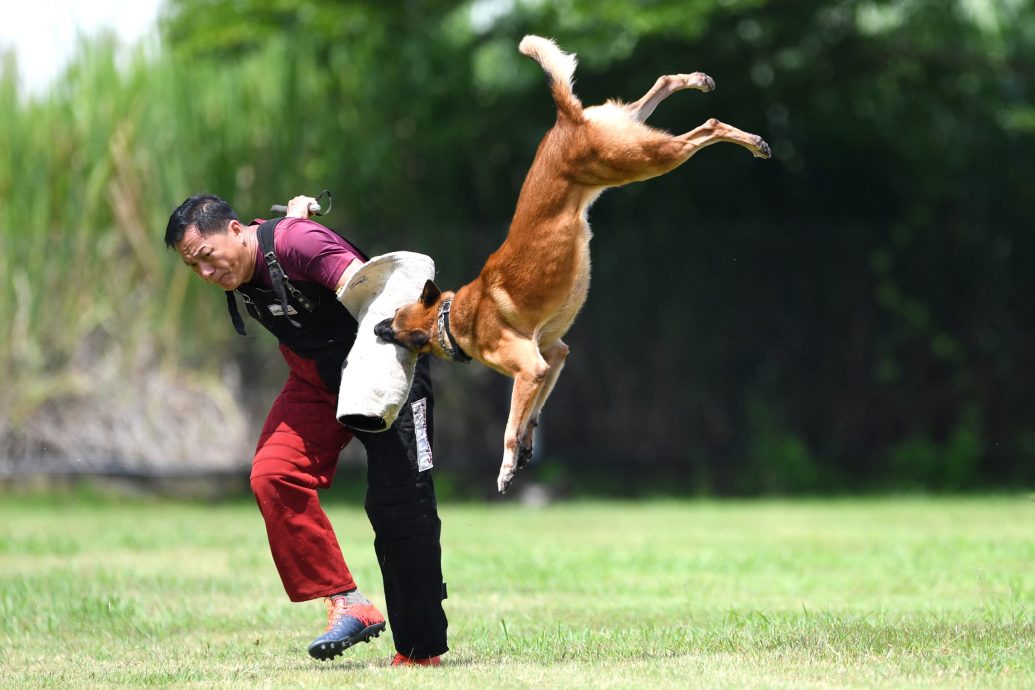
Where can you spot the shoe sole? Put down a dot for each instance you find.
(329, 650)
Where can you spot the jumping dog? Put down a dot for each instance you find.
(512, 317)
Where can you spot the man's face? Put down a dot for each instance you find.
(222, 258)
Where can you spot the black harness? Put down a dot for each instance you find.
(306, 317)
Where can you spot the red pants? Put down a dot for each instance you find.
(296, 455)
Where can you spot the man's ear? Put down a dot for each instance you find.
(431, 293)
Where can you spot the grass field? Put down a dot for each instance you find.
(926, 593)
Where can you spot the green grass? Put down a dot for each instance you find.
(930, 593)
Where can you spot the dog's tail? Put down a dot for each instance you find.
(560, 68)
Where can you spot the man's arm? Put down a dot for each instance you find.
(299, 207)
(346, 276)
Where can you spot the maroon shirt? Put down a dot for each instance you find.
(307, 251)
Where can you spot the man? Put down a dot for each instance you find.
(289, 273)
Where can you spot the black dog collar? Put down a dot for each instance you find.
(445, 336)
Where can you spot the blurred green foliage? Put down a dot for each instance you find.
(854, 313)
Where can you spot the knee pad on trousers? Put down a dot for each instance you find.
(403, 512)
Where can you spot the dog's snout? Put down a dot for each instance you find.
(383, 330)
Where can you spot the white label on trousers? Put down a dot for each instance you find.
(420, 430)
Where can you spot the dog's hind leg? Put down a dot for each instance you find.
(666, 86)
(713, 131)
(668, 152)
(656, 153)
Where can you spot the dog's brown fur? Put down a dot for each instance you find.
(513, 315)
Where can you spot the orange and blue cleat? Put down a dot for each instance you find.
(350, 621)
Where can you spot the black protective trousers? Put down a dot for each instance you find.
(403, 511)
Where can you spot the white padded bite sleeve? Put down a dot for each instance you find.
(376, 376)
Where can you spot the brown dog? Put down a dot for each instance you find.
(513, 315)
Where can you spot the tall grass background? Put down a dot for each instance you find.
(110, 345)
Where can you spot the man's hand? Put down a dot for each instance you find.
(302, 207)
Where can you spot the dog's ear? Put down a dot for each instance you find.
(431, 293)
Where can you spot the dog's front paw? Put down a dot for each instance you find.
(504, 480)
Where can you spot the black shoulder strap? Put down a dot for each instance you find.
(235, 316)
(265, 236)
(277, 276)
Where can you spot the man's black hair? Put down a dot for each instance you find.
(206, 211)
